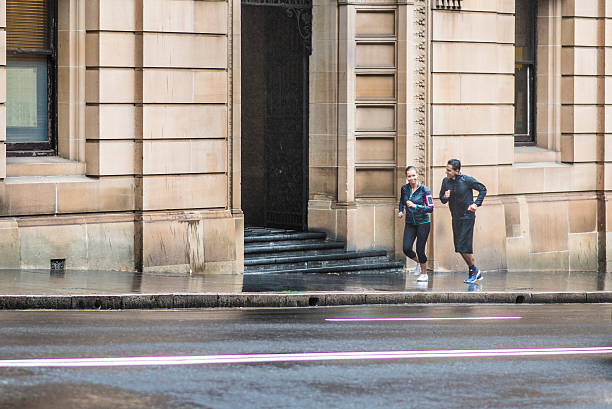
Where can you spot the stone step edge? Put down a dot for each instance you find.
(332, 269)
(284, 236)
(303, 299)
(293, 247)
(254, 261)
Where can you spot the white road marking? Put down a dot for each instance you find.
(297, 357)
(421, 319)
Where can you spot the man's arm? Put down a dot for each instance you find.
(443, 189)
(482, 190)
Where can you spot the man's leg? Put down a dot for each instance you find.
(468, 258)
(465, 241)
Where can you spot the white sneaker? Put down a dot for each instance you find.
(417, 270)
(423, 277)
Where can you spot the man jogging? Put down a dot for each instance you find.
(457, 189)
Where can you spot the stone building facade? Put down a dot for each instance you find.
(153, 161)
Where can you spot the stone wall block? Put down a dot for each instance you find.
(219, 238)
(184, 86)
(473, 119)
(473, 58)
(115, 15)
(185, 16)
(110, 158)
(39, 244)
(107, 194)
(184, 121)
(185, 192)
(9, 245)
(184, 50)
(110, 246)
(191, 156)
(165, 244)
(27, 199)
(473, 27)
(549, 228)
(583, 249)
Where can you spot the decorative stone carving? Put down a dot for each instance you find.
(420, 124)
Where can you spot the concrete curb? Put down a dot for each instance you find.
(232, 300)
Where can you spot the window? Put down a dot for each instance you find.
(524, 71)
(30, 77)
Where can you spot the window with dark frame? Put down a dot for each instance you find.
(31, 67)
(524, 72)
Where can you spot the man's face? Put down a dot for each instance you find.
(450, 172)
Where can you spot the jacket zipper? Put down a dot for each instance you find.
(409, 198)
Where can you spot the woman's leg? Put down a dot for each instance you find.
(421, 239)
(410, 234)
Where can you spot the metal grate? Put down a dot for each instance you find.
(58, 264)
(448, 4)
(293, 4)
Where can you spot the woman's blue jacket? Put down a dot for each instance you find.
(423, 198)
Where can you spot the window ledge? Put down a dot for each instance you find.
(541, 165)
(43, 166)
(535, 154)
(27, 180)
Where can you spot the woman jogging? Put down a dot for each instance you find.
(416, 202)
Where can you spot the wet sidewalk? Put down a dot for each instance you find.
(27, 289)
(44, 282)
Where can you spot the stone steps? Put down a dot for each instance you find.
(286, 251)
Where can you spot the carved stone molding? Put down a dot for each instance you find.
(420, 124)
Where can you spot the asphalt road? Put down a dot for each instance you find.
(485, 356)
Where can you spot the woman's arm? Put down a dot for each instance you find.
(428, 203)
(402, 202)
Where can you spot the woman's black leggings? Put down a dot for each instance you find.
(420, 232)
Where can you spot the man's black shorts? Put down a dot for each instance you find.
(463, 233)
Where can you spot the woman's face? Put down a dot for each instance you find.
(411, 177)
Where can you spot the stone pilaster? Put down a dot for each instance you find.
(605, 148)
(2, 89)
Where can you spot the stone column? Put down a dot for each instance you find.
(583, 98)
(368, 123)
(71, 86)
(346, 207)
(163, 111)
(605, 148)
(2, 89)
(323, 118)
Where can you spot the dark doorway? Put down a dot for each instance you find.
(274, 116)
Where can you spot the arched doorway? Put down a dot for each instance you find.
(276, 45)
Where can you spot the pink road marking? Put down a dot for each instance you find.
(298, 357)
(421, 319)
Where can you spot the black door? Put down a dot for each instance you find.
(275, 126)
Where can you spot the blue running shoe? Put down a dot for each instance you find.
(471, 279)
(475, 275)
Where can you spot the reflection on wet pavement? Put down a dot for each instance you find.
(112, 282)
